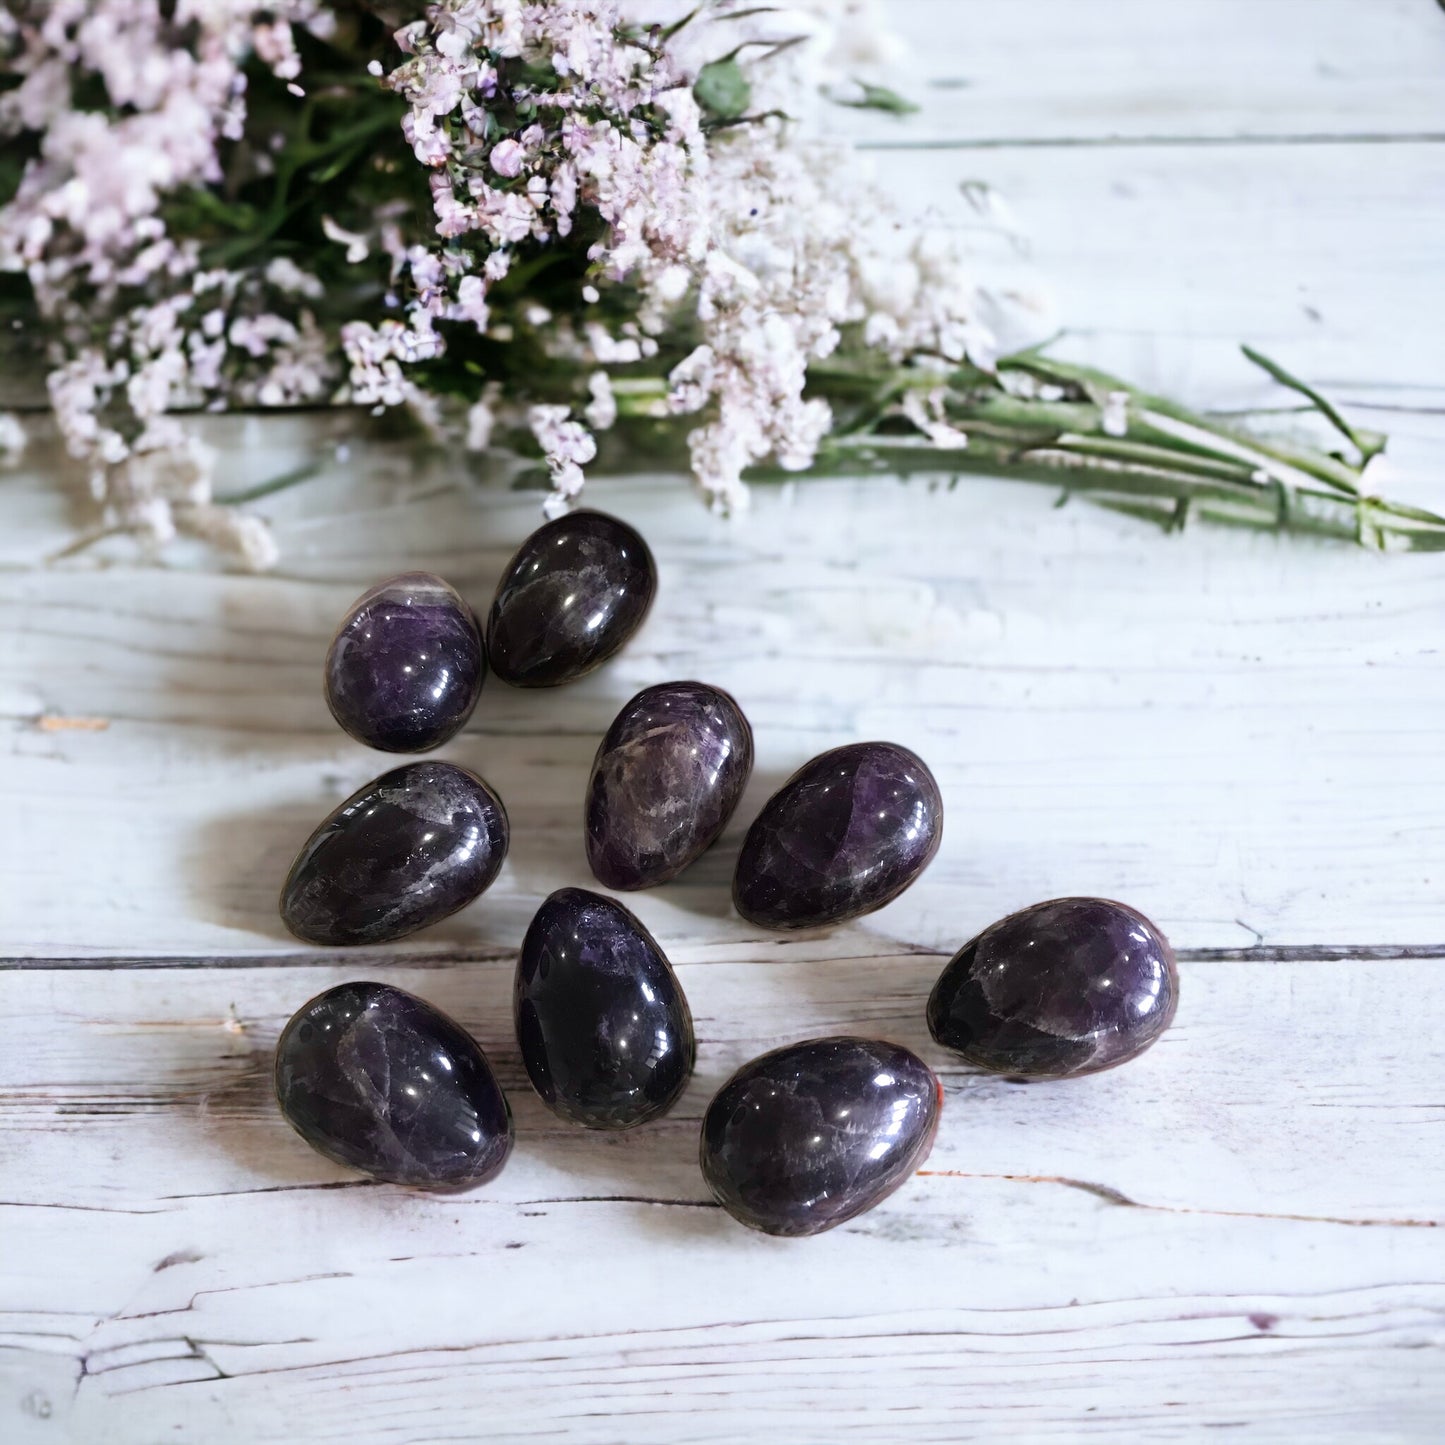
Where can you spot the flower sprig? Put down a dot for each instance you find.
(1093, 434)
(562, 229)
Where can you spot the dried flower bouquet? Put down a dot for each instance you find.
(580, 232)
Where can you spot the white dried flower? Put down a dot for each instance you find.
(276, 45)
(507, 158)
(241, 533)
(356, 245)
(12, 438)
(1114, 420)
(285, 275)
(601, 411)
(482, 418)
(926, 413)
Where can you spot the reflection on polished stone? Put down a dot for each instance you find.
(603, 1026)
(406, 850)
(1067, 987)
(811, 1135)
(847, 833)
(381, 1081)
(576, 590)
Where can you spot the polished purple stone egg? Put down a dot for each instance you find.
(847, 833)
(1067, 987)
(379, 1080)
(575, 591)
(814, 1134)
(406, 666)
(603, 1026)
(404, 851)
(668, 775)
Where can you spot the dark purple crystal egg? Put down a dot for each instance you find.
(814, 1134)
(406, 666)
(381, 1081)
(603, 1026)
(576, 590)
(666, 779)
(847, 833)
(406, 850)
(1067, 987)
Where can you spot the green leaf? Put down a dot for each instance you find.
(1368, 444)
(722, 89)
(879, 97)
(276, 484)
(669, 31)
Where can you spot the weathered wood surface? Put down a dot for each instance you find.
(1231, 1230)
(1235, 733)
(1189, 72)
(1239, 735)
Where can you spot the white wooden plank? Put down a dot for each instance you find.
(171, 1068)
(1162, 261)
(1193, 724)
(1058, 71)
(1277, 1263)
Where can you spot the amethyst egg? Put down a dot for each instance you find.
(847, 833)
(814, 1134)
(604, 1028)
(575, 591)
(381, 1081)
(406, 666)
(1067, 987)
(406, 850)
(666, 779)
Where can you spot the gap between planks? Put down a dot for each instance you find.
(1143, 142)
(447, 958)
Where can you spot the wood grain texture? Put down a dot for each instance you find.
(1200, 738)
(1189, 72)
(1281, 1276)
(1241, 1233)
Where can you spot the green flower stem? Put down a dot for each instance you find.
(1187, 428)
(269, 488)
(1170, 495)
(1169, 463)
(1154, 459)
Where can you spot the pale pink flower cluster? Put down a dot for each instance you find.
(84, 228)
(763, 242)
(584, 145)
(804, 246)
(567, 445)
(767, 248)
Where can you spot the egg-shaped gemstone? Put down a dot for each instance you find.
(406, 666)
(665, 781)
(813, 1134)
(847, 833)
(379, 1080)
(576, 590)
(1067, 987)
(603, 1026)
(411, 847)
